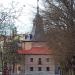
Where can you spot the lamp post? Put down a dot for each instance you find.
(1, 46)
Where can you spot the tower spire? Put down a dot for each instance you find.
(38, 31)
(37, 6)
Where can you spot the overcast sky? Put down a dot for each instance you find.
(24, 23)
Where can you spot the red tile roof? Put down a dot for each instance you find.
(35, 50)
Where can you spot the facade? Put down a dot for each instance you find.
(39, 65)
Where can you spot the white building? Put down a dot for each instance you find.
(38, 60)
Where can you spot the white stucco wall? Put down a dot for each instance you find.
(34, 64)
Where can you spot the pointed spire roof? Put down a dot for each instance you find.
(38, 26)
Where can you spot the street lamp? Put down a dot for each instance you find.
(1, 46)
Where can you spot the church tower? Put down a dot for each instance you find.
(38, 28)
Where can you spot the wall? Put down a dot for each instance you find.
(34, 64)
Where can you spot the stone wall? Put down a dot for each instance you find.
(44, 64)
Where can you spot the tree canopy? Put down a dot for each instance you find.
(8, 17)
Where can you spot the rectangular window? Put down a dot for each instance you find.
(39, 69)
(47, 68)
(31, 68)
(31, 59)
(39, 61)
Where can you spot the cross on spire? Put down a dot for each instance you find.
(37, 6)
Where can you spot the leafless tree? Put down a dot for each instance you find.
(59, 26)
